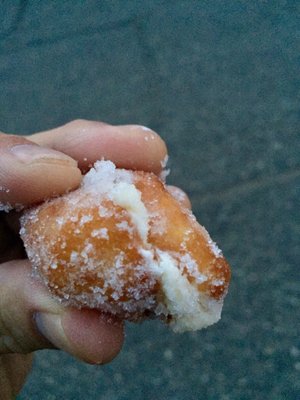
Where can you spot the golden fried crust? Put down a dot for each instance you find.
(89, 250)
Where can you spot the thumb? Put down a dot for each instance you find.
(30, 319)
(30, 173)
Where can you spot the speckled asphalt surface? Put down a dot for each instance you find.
(220, 82)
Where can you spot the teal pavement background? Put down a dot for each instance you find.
(219, 80)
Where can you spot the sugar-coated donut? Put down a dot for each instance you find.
(123, 244)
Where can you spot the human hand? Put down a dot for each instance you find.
(32, 169)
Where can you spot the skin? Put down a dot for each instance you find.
(32, 169)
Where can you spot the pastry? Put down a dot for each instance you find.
(122, 243)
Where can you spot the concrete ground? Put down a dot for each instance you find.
(220, 82)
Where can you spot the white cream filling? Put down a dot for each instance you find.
(190, 309)
(117, 184)
(129, 197)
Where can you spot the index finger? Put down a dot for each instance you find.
(128, 146)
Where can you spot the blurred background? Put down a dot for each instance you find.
(219, 80)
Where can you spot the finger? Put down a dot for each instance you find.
(180, 196)
(34, 320)
(128, 146)
(30, 173)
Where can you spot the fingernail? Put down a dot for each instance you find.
(138, 129)
(32, 153)
(50, 326)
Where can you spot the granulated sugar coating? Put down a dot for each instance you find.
(123, 244)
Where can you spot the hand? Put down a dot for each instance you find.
(32, 169)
